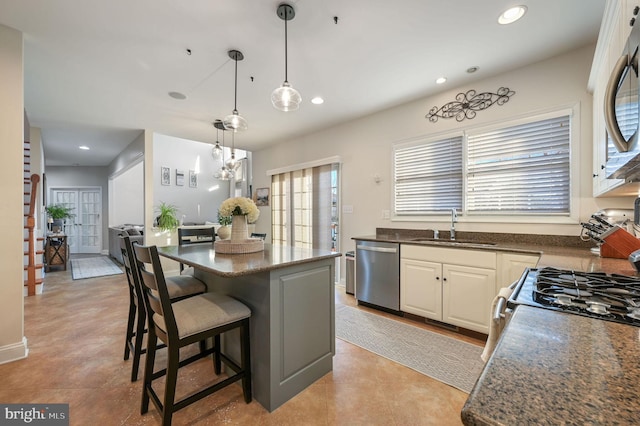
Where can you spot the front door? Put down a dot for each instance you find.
(84, 228)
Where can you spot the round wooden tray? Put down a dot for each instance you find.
(250, 245)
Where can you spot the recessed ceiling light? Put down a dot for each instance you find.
(317, 100)
(471, 70)
(441, 80)
(511, 15)
(86, 148)
(178, 95)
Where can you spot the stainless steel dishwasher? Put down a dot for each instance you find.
(378, 274)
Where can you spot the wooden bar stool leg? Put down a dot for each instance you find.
(245, 356)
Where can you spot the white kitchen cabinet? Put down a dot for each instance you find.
(455, 286)
(511, 266)
(467, 293)
(421, 288)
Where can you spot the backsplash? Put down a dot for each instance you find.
(533, 239)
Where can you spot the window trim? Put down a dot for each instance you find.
(572, 110)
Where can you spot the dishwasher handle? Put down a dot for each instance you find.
(377, 249)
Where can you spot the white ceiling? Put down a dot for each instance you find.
(98, 72)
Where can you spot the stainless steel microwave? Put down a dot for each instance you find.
(622, 114)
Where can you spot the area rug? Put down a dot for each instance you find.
(443, 358)
(90, 267)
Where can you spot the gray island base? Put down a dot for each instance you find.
(290, 292)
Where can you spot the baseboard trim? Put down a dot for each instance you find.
(14, 352)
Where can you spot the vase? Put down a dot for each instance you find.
(239, 228)
(224, 232)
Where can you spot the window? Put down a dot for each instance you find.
(519, 169)
(304, 209)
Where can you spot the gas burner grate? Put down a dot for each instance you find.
(599, 295)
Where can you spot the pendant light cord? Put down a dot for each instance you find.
(235, 98)
(286, 60)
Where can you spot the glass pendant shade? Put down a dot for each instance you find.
(232, 164)
(286, 98)
(216, 151)
(223, 174)
(235, 122)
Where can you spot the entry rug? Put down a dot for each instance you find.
(443, 358)
(90, 267)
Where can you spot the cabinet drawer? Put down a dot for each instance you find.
(453, 256)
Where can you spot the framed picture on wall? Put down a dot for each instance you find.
(165, 175)
(179, 177)
(193, 179)
(262, 197)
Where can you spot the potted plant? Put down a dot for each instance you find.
(58, 213)
(224, 231)
(167, 219)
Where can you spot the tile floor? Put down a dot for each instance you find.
(75, 333)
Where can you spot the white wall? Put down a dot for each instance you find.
(13, 344)
(126, 196)
(197, 204)
(365, 147)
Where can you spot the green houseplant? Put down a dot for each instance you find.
(58, 211)
(167, 219)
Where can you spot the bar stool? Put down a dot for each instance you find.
(178, 287)
(183, 323)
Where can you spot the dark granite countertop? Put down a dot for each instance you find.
(203, 256)
(565, 252)
(555, 368)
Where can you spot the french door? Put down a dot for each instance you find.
(84, 228)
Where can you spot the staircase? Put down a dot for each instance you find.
(33, 270)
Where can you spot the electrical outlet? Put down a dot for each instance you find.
(385, 214)
(347, 208)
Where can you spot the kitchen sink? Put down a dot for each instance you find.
(456, 242)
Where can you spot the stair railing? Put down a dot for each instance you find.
(31, 224)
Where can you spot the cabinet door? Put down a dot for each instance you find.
(512, 266)
(467, 295)
(421, 288)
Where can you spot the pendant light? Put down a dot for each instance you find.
(216, 151)
(223, 173)
(285, 97)
(235, 121)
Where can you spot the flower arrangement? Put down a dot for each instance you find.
(240, 206)
(224, 220)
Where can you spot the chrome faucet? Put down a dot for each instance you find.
(454, 219)
(436, 234)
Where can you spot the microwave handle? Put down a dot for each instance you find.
(610, 105)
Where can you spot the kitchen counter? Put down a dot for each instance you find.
(290, 292)
(556, 368)
(559, 252)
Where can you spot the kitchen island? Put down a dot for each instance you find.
(290, 292)
(554, 368)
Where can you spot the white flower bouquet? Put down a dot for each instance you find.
(240, 206)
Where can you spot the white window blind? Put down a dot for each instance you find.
(520, 169)
(301, 214)
(428, 177)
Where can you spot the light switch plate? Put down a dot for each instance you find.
(347, 208)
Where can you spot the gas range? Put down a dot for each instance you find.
(610, 297)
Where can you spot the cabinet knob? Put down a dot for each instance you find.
(444, 279)
(595, 175)
(632, 21)
(636, 10)
(437, 278)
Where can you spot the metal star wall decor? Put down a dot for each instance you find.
(466, 104)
